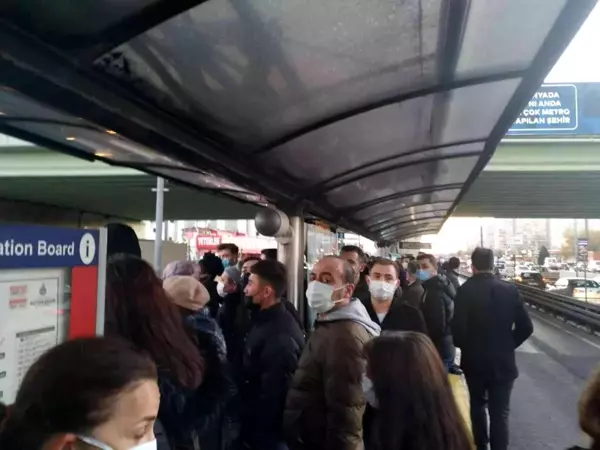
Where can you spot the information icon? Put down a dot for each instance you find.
(87, 249)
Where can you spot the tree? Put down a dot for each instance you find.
(566, 250)
(544, 253)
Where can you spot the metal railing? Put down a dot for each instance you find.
(570, 308)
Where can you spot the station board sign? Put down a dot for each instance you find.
(51, 289)
(560, 109)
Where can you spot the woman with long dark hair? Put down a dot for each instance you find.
(409, 388)
(139, 310)
(86, 393)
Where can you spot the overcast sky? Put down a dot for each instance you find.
(580, 62)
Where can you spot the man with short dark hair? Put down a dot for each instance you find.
(413, 294)
(268, 253)
(325, 405)
(452, 272)
(490, 322)
(383, 307)
(357, 260)
(388, 311)
(229, 254)
(272, 350)
(437, 307)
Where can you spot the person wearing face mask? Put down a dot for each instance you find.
(229, 254)
(438, 309)
(92, 393)
(272, 349)
(232, 297)
(325, 404)
(358, 260)
(414, 292)
(384, 305)
(388, 311)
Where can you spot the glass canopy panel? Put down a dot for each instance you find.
(416, 227)
(405, 179)
(13, 104)
(409, 160)
(202, 180)
(380, 225)
(104, 144)
(392, 205)
(61, 19)
(412, 233)
(407, 211)
(257, 71)
(356, 141)
(495, 33)
(476, 109)
(413, 224)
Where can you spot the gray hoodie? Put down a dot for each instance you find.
(354, 311)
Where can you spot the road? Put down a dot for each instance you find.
(554, 365)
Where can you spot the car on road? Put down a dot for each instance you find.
(530, 278)
(577, 287)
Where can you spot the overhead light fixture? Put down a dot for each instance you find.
(103, 154)
(113, 132)
(71, 138)
(1, 113)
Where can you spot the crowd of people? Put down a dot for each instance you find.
(212, 356)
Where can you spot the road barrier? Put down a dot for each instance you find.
(584, 313)
(568, 307)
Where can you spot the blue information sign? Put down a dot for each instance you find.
(552, 108)
(29, 246)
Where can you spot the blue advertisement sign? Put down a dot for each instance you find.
(561, 109)
(32, 246)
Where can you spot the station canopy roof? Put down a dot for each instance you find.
(374, 115)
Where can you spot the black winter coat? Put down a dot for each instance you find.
(400, 317)
(413, 294)
(490, 322)
(273, 348)
(438, 310)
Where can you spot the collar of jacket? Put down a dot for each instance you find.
(264, 315)
(483, 275)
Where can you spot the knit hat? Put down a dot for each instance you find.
(186, 292)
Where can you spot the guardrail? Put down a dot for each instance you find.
(587, 314)
(568, 307)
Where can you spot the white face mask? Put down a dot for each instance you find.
(382, 290)
(150, 445)
(369, 391)
(221, 289)
(319, 296)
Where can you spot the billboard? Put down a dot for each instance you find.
(560, 109)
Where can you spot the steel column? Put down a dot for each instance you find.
(296, 263)
(160, 203)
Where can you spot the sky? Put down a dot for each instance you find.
(579, 63)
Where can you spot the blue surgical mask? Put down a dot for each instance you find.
(226, 262)
(424, 275)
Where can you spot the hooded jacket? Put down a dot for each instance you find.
(325, 403)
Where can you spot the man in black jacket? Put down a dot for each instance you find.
(387, 310)
(452, 273)
(413, 293)
(273, 348)
(358, 260)
(490, 322)
(383, 305)
(437, 307)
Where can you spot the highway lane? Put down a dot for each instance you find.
(554, 365)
